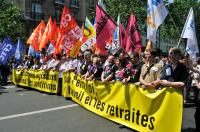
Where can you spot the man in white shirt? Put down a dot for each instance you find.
(50, 63)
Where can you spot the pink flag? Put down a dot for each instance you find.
(104, 29)
(133, 39)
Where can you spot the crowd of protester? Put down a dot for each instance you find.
(146, 69)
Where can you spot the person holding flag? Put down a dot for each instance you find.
(192, 49)
(6, 51)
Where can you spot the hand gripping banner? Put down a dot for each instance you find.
(130, 105)
(143, 110)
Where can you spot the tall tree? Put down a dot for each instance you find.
(179, 10)
(125, 8)
(172, 26)
(10, 21)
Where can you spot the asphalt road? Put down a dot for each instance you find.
(25, 110)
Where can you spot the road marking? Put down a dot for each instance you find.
(37, 112)
(10, 86)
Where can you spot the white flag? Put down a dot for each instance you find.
(189, 32)
(101, 4)
(50, 49)
(116, 44)
(156, 13)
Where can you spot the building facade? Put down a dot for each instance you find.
(33, 11)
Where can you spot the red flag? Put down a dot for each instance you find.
(69, 30)
(67, 22)
(36, 36)
(122, 33)
(54, 35)
(58, 49)
(110, 40)
(104, 29)
(47, 33)
(133, 39)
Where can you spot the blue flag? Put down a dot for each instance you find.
(31, 51)
(19, 49)
(8, 48)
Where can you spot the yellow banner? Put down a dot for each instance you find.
(142, 110)
(37, 79)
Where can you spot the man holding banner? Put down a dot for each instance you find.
(150, 73)
(175, 74)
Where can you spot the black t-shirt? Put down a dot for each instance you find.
(97, 74)
(179, 74)
(135, 72)
(84, 66)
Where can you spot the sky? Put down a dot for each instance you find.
(170, 1)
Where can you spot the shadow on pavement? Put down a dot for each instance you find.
(188, 130)
(189, 105)
(2, 90)
(23, 90)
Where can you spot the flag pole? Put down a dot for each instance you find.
(179, 41)
(184, 28)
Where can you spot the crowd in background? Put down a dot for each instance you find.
(146, 69)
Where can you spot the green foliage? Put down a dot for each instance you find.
(173, 24)
(125, 8)
(10, 21)
(179, 10)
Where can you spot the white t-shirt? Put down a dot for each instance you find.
(50, 63)
(62, 68)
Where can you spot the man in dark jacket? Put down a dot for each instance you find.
(4, 70)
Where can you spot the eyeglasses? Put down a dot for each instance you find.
(171, 53)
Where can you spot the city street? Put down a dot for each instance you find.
(94, 49)
(25, 110)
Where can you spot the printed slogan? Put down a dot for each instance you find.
(143, 110)
(37, 79)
